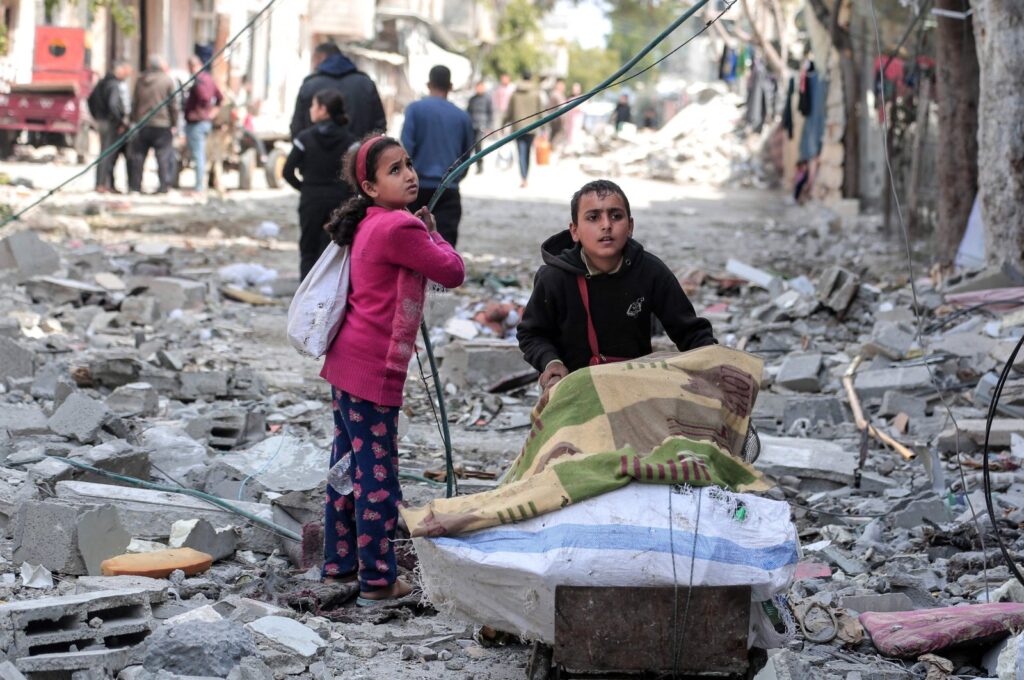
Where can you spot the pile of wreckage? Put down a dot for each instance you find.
(131, 375)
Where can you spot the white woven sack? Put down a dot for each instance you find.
(318, 307)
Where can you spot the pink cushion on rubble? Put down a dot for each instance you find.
(909, 634)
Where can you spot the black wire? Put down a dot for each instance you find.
(590, 93)
(993, 406)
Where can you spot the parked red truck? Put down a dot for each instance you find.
(51, 109)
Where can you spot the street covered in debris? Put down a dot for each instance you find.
(834, 489)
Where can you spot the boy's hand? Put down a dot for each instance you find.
(428, 219)
(555, 371)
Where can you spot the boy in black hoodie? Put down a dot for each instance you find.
(594, 296)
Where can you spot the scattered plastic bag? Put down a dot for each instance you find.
(245, 274)
(35, 576)
(268, 229)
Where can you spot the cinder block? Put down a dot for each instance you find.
(134, 399)
(141, 310)
(800, 372)
(904, 379)
(80, 418)
(481, 363)
(894, 403)
(203, 385)
(175, 293)
(837, 288)
(46, 533)
(889, 340)
(15, 361)
(27, 255)
(75, 632)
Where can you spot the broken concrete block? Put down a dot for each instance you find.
(247, 610)
(205, 613)
(149, 514)
(60, 291)
(100, 536)
(288, 635)
(800, 372)
(974, 430)
(46, 533)
(904, 379)
(481, 362)
(175, 293)
(9, 328)
(806, 459)
(964, 344)
(173, 451)
(199, 648)
(80, 418)
(141, 310)
(200, 535)
(156, 588)
(134, 399)
(894, 403)
(15, 361)
(1001, 352)
(117, 456)
(44, 384)
(815, 410)
(889, 340)
(25, 255)
(773, 284)
(281, 463)
(207, 385)
(8, 671)
(912, 514)
(74, 622)
(22, 419)
(837, 288)
(886, 602)
(226, 428)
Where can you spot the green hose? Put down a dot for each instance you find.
(458, 170)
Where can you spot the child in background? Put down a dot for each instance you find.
(316, 153)
(393, 253)
(594, 296)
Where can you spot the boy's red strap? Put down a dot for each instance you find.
(595, 354)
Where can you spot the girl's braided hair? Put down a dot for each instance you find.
(344, 220)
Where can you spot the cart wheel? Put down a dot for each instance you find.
(247, 168)
(275, 168)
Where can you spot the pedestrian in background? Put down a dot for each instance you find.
(525, 101)
(153, 87)
(436, 135)
(316, 155)
(623, 113)
(201, 108)
(481, 113)
(574, 119)
(109, 110)
(333, 70)
(558, 125)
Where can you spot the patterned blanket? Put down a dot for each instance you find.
(660, 419)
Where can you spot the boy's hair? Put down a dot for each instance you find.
(601, 187)
(344, 220)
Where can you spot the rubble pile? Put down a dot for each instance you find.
(704, 143)
(170, 365)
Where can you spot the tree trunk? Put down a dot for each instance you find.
(999, 33)
(957, 98)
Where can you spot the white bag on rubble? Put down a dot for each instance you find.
(318, 307)
(505, 577)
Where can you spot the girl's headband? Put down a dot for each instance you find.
(361, 155)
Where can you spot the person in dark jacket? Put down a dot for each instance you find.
(153, 87)
(110, 111)
(623, 112)
(524, 102)
(594, 296)
(481, 113)
(316, 154)
(332, 70)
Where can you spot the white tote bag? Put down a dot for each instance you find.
(318, 307)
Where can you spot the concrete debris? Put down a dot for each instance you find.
(80, 418)
(134, 399)
(46, 533)
(100, 536)
(24, 255)
(288, 635)
(837, 288)
(801, 373)
(16, 361)
(202, 536)
(806, 459)
(199, 648)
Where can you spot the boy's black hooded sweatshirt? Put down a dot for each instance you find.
(554, 324)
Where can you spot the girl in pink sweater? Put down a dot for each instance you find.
(393, 253)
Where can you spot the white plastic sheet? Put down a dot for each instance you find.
(318, 307)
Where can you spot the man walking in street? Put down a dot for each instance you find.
(333, 71)
(107, 108)
(153, 87)
(481, 113)
(436, 134)
(522, 112)
(201, 107)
